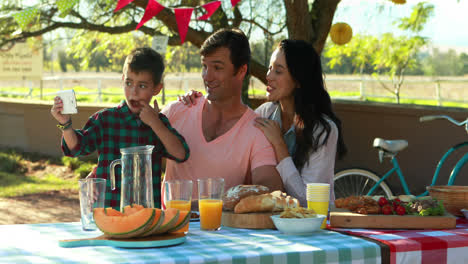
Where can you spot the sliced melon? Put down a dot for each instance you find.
(184, 219)
(171, 215)
(109, 211)
(131, 209)
(124, 226)
(157, 222)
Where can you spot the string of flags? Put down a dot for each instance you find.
(27, 15)
(182, 15)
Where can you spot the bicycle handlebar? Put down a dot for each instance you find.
(433, 117)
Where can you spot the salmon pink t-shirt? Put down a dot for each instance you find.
(231, 156)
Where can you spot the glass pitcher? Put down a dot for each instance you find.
(136, 177)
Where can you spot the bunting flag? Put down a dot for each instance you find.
(153, 8)
(24, 17)
(182, 15)
(121, 4)
(183, 19)
(234, 2)
(210, 8)
(64, 6)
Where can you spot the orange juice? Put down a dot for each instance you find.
(183, 206)
(179, 204)
(210, 213)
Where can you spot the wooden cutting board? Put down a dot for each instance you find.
(249, 220)
(144, 242)
(346, 219)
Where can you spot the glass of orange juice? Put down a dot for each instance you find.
(210, 203)
(178, 194)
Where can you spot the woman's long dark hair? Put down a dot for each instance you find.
(312, 102)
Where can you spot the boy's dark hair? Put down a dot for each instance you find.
(233, 39)
(145, 59)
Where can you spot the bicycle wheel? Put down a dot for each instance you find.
(358, 182)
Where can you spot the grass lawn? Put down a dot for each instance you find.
(338, 94)
(14, 184)
(18, 173)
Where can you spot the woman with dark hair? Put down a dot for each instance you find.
(298, 119)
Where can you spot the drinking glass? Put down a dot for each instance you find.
(92, 195)
(210, 203)
(178, 194)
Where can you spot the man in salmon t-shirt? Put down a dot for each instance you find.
(219, 129)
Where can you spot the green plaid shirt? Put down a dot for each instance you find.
(111, 129)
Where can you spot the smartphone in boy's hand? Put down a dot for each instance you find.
(69, 102)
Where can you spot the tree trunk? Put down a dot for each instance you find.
(322, 17)
(298, 21)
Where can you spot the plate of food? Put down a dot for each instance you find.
(298, 221)
(465, 212)
(194, 216)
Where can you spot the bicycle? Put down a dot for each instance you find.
(357, 182)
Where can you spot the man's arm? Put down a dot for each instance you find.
(267, 175)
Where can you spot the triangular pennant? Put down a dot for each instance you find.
(234, 2)
(153, 8)
(24, 17)
(182, 16)
(210, 8)
(121, 4)
(64, 6)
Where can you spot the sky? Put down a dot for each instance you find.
(448, 27)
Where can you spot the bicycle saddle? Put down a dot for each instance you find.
(392, 146)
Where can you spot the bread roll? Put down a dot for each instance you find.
(236, 193)
(268, 202)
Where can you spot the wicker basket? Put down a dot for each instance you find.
(454, 198)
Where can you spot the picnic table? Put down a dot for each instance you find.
(419, 246)
(39, 243)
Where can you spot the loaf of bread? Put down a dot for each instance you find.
(236, 193)
(276, 201)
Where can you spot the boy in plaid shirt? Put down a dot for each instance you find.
(134, 122)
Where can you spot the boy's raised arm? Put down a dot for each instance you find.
(69, 135)
(171, 142)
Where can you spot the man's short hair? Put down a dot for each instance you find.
(233, 39)
(145, 60)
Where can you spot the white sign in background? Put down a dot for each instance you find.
(22, 61)
(159, 43)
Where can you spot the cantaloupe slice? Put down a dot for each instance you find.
(131, 209)
(171, 215)
(109, 211)
(125, 226)
(184, 219)
(157, 222)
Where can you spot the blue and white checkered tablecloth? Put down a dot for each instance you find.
(38, 243)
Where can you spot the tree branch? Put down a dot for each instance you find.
(264, 29)
(322, 17)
